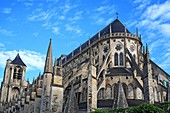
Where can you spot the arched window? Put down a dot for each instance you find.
(116, 59)
(156, 95)
(108, 92)
(139, 94)
(84, 96)
(130, 92)
(15, 73)
(121, 59)
(100, 94)
(115, 90)
(103, 58)
(125, 88)
(20, 71)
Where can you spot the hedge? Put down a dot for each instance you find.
(143, 108)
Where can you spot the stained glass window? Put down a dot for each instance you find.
(116, 59)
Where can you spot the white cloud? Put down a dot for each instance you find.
(72, 28)
(6, 10)
(155, 25)
(157, 11)
(141, 4)
(11, 19)
(36, 34)
(166, 60)
(55, 30)
(1, 44)
(39, 16)
(76, 17)
(6, 32)
(32, 59)
(156, 18)
(28, 4)
(99, 16)
(61, 17)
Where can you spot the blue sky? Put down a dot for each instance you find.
(26, 26)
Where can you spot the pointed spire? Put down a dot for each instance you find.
(147, 54)
(49, 59)
(147, 50)
(125, 29)
(143, 49)
(117, 15)
(136, 32)
(33, 80)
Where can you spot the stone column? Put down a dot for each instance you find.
(12, 72)
(56, 97)
(92, 89)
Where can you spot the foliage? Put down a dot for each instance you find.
(99, 111)
(143, 108)
(165, 106)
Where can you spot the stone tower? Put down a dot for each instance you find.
(147, 79)
(56, 96)
(13, 82)
(47, 79)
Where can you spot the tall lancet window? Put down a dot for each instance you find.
(134, 57)
(116, 59)
(121, 59)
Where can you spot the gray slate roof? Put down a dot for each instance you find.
(118, 71)
(18, 61)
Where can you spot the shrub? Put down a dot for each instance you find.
(99, 111)
(143, 108)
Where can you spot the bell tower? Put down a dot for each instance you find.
(13, 80)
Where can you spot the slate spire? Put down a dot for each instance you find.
(49, 59)
(18, 61)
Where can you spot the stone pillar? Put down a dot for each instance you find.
(111, 54)
(23, 73)
(56, 97)
(92, 89)
(12, 72)
(37, 104)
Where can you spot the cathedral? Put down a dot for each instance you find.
(111, 70)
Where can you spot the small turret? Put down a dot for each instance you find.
(136, 32)
(147, 54)
(143, 50)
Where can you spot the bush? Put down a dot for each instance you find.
(143, 108)
(99, 111)
(165, 106)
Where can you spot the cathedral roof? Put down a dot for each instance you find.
(18, 61)
(116, 26)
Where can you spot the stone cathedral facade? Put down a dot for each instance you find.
(111, 70)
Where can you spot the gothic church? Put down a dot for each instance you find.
(110, 70)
